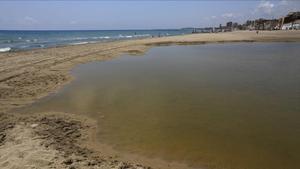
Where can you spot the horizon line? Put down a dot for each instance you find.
(94, 29)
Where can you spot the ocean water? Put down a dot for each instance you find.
(222, 106)
(24, 40)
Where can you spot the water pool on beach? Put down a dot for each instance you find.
(231, 106)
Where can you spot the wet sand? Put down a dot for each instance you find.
(51, 140)
(57, 140)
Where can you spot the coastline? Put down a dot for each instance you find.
(27, 76)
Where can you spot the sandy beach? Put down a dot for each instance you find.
(56, 140)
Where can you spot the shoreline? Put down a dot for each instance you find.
(26, 76)
(48, 69)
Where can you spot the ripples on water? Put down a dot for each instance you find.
(220, 105)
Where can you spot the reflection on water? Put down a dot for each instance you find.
(220, 105)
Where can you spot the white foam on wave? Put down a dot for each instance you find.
(142, 35)
(5, 49)
(125, 36)
(134, 36)
(101, 37)
(79, 43)
(31, 40)
(80, 38)
(24, 46)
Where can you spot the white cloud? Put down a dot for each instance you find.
(210, 17)
(227, 15)
(29, 20)
(265, 7)
(271, 9)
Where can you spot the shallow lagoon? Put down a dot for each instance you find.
(218, 105)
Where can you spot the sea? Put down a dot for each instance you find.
(16, 40)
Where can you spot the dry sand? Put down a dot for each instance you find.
(55, 140)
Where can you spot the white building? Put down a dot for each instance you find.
(291, 25)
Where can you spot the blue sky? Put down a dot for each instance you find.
(39, 15)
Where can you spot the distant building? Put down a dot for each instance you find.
(266, 24)
(292, 25)
(226, 28)
(249, 25)
(229, 24)
(205, 30)
(235, 24)
(291, 21)
(271, 24)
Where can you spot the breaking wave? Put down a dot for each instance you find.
(79, 43)
(5, 49)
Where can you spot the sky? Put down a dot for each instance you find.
(135, 14)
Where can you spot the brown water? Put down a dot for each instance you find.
(231, 106)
